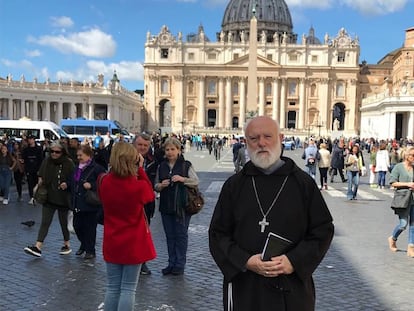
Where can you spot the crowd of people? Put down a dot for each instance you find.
(129, 176)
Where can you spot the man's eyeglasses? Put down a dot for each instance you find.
(56, 151)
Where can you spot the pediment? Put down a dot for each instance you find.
(261, 62)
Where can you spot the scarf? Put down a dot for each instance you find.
(80, 168)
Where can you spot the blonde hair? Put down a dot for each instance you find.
(123, 160)
(405, 152)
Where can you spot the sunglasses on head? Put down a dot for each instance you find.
(56, 151)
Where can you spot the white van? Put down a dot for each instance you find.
(22, 128)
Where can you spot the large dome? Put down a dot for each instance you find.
(272, 16)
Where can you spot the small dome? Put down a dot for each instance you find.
(311, 38)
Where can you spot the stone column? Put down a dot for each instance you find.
(261, 96)
(90, 111)
(283, 104)
(10, 109)
(228, 108)
(275, 99)
(180, 115)
(301, 124)
(322, 93)
(410, 125)
(35, 115)
(352, 116)
(23, 108)
(221, 103)
(242, 96)
(201, 102)
(59, 112)
(47, 111)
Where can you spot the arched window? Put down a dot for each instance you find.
(211, 87)
(292, 88)
(268, 89)
(340, 89)
(313, 90)
(164, 86)
(191, 88)
(235, 89)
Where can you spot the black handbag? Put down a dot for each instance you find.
(92, 197)
(402, 199)
(40, 193)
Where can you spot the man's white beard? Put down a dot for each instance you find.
(265, 160)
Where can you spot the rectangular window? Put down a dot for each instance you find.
(235, 102)
(190, 56)
(293, 57)
(269, 56)
(211, 102)
(235, 55)
(164, 53)
(268, 103)
(292, 103)
(314, 58)
(341, 57)
(211, 56)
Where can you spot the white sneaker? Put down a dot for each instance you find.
(31, 201)
(5, 201)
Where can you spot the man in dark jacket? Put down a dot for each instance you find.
(270, 195)
(32, 156)
(142, 142)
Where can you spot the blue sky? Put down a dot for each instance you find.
(78, 39)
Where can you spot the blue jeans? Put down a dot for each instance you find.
(404, 218)
(353, 183)
(121, 286)
(176, 232)
(311, 170)
(5, 181)
(381, 178)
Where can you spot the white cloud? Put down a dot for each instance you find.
(33, 53)
(366, 7)
(91, 43)
(126, 71)
(376, 7)
(62, 21)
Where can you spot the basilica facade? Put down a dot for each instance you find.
(256, 65)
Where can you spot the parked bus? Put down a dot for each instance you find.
(24, 127)
(81, 128)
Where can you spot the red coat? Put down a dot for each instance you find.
(127, 238)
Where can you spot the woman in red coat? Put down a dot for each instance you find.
(127, 241)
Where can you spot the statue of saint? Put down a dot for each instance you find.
(263, 37)
(336, 124)
(222, 36)
(242, 36)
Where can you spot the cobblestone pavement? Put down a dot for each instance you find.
(358, 273)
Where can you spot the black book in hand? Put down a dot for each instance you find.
(275, 245)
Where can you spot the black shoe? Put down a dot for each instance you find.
(79, 252)
(145, 270)
(344, 180)
(33, 250)
(167, 270)
(177, 271)
(65, 250)
(89, 256)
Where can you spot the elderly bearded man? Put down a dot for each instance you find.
(270, 194)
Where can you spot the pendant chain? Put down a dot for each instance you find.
(274, 200)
